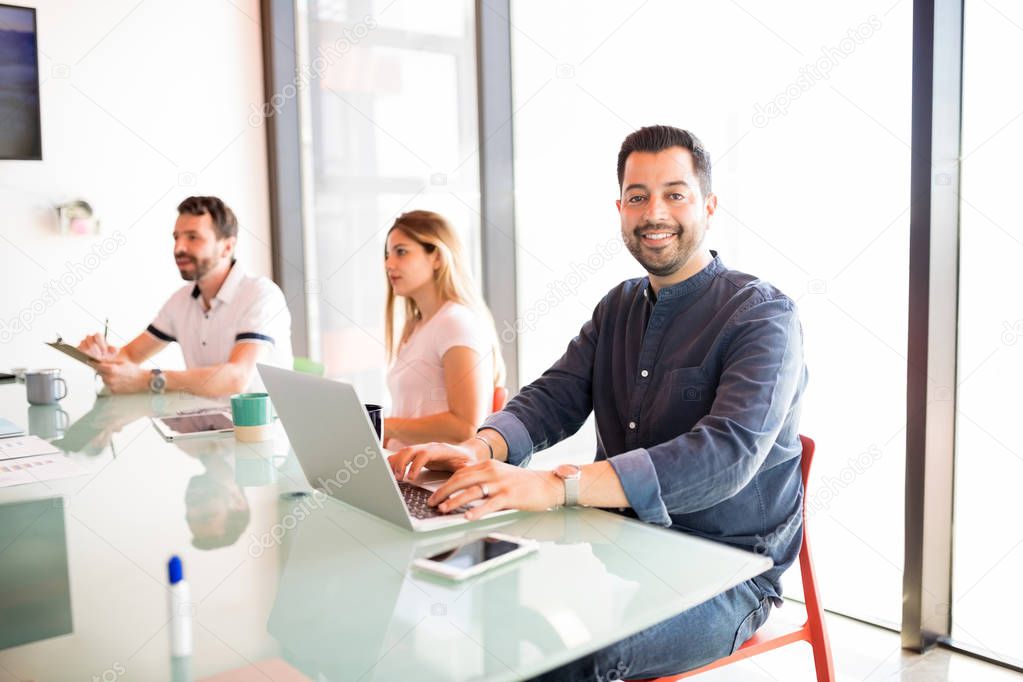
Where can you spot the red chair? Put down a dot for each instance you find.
(500, 398)
(774, 635)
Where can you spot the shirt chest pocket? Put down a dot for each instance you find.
(691, 394)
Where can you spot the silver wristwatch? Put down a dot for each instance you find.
(157, 382)
(571, 475)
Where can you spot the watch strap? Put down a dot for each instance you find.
(572, 491)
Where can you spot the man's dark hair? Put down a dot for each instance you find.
(659, 138)
(224, 222)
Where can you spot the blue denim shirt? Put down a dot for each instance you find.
(696, 394)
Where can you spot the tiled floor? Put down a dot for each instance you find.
(862, 654)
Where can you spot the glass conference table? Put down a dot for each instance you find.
(293, 587)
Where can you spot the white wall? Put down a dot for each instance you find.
(143, 104)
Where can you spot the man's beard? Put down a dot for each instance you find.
(670, 260)
(202, 268)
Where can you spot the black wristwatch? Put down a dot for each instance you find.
(157, 382)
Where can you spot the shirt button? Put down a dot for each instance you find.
(644, 373)
(632, 425)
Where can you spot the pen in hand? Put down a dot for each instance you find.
(106, 346)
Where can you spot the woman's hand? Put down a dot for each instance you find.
(506, 487)
(390, 429)
(439, 456)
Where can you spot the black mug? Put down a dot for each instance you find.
(376, 413)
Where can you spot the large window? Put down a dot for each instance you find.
(807, 117)
(988, 557)
(389, 125)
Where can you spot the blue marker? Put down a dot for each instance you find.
(180, 602)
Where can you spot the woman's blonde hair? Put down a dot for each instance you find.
(452, 279)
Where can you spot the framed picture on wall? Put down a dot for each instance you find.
(20, 134)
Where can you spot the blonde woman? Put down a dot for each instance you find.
(445, 363)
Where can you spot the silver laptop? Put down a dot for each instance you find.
(341, 456)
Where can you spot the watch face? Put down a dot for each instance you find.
(568, 471)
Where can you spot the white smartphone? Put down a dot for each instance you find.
(476, 556)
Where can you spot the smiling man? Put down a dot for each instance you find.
(225, 320)
(694, 374)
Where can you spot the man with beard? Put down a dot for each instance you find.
(694, 374)
(225, 320)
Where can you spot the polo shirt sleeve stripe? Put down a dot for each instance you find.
(160, 335)
(253, 336)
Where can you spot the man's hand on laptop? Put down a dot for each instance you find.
(499, 486)
(408, 462)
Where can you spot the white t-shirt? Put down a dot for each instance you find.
(246, 310)
(416, 379)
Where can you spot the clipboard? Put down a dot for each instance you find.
(72, 351)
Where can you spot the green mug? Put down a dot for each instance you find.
(252, 415)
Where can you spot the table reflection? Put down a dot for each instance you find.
(35, 595)
(94, 431)
(216, 507)
(349, 605)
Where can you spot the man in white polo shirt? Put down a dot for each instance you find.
(225, 320)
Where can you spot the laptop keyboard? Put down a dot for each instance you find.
(415, 499)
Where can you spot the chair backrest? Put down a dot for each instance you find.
(814, 610)
(808, 447)
(500, 398)
(308, 366)
(813, 630)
